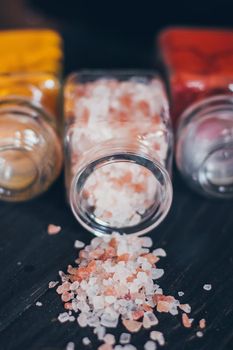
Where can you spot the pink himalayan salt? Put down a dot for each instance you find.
(111, 273)
(53, 229)
(53, 284)
(109, 339)
(157, 336)
(132, 326)
(185, 307)
(134, 110)
(202, 323)
(105, 347)
(186, 321)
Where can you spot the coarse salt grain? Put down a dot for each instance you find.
(78, 244)
(202, 323)
(199, 334)
(181, 294)
(125, 338)
(114, 280)
(185, 307)
(53, 284)
(157, 336)
(187, 322)
(160, 252)
(70, 346)
(105, 347)
(53, 229)
(207, 287)
(109, 339)
(150, 345)
(86, 341)
(38, 303)
(63, 317)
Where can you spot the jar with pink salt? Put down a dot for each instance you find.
(118, 150)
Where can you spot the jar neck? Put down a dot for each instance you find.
(117, 165)
(30, 151)
(25, 106)
(208, 125)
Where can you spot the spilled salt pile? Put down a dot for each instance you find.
(115, 280)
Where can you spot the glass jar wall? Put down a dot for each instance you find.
(199, 66)
(118, 149)
(30, 147)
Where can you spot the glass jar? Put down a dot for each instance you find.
(30, 147)
(118, 151)
(199, 66)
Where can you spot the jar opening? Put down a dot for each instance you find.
(216, 172)
(18, 170)
(204, 151)
(122, 192)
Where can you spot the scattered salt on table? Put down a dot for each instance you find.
(70, 346)
(199, 334)
(53, 229)
(78, 244)
(157, 336)
(86, 341)
(125, 338)
(109, 339)
(114, 280)
(160, 252)
(38, 303)
(207, 287)
(202, 323)
(150, 345)
(53, 284)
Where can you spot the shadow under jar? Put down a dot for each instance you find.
(118, 150)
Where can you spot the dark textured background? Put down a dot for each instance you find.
(197, 234)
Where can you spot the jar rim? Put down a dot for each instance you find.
(153, 219)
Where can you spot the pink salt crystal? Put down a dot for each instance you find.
(163, 306)
(157, 273)
(53, 229)
(149, 320)
(159, 252)
(100, 332)
(157, 336)
(186, 321)
(53, 284)
(132, 326)
(82, 320)
(63, 317)
(64, 287)
(109, 339)
(66, 296)
(202, 323)
(185, 307)
(105, 347)
(147, 242)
